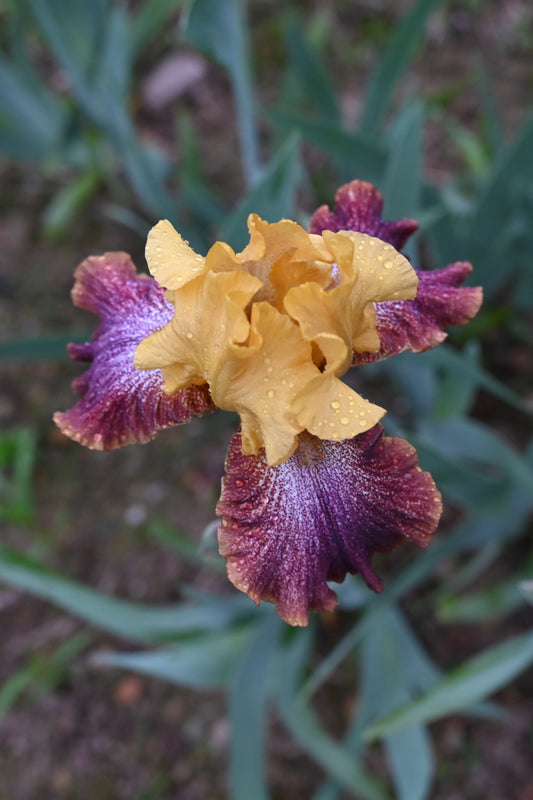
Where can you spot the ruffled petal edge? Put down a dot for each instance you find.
(119, 404)
(289, 529)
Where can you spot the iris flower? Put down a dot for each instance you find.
(312, 486)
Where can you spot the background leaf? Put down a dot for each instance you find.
(475, 680)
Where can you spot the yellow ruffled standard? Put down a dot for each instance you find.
(270, 330)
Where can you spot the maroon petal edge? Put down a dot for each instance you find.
(286, 530)
(417, 324)
(358, 206)
(121, 405)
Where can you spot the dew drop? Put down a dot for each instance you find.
(335, 404)
(362, 423)
(344, 420)
(388, 264)
(271, 393)
(239, 483)
(189, 334)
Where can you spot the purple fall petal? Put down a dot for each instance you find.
(288, 529)
(121, 405)
(417, 324)
(358, 207)
(441, 300)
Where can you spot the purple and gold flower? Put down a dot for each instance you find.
(312, 488)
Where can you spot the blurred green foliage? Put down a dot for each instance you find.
(482, 215)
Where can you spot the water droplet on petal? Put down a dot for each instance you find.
(271, 393)
(344, 420)
(362, 423)
(335, 404)
(239, 483)
(388, 264)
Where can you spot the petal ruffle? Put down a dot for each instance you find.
(261, 379)
(209, 316)
(417, 324)
(171, 260)
(121, 405)
(372, 271)
(281, 254)
(358, 207)
(288, 529)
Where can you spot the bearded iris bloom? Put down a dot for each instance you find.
(312, 487)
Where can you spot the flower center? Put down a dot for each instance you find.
(272, 329)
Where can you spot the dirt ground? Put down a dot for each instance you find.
(108, 735)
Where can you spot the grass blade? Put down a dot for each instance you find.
(248, 705)
(393, 64)
(203, 662)
(218, 30)
(133, 621)
(299, 718)
(463, 687)
(46, 348)
(354, 153)
(272, 197)
(310, 75)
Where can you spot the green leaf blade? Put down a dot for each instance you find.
(461, 688)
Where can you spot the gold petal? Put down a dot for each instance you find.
(222, 258)
(381, 272)
(324, 318)
(369, 271)
(329, 409)
(209, 317)
(260, 380)
(171, 260)
(282, 254)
